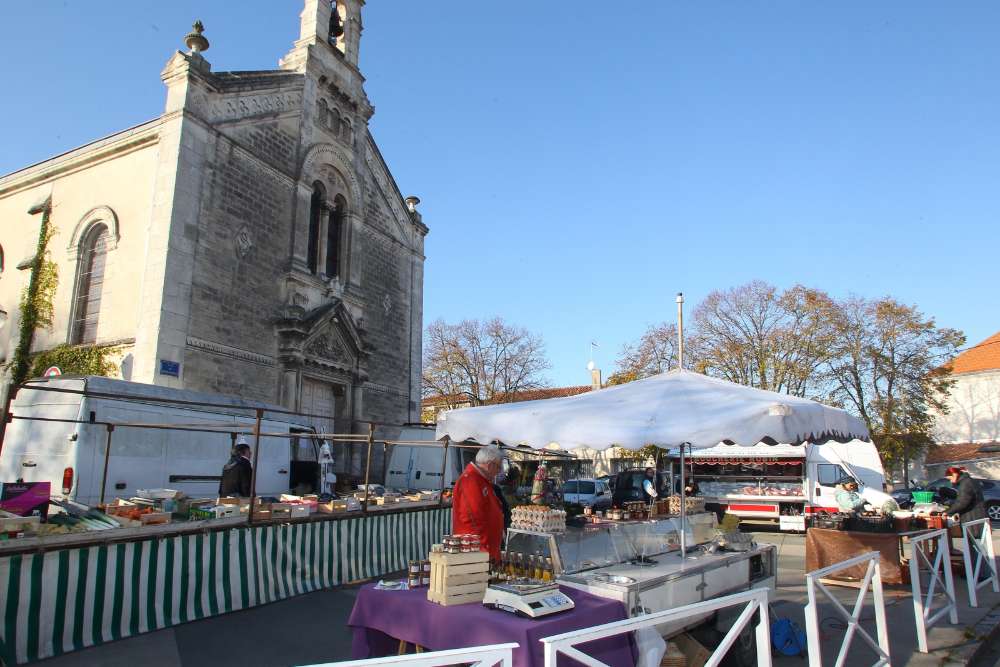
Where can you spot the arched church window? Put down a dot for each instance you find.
(316, 206)
(334, 230)
(335, 120)
(323, 113)
(346, 131)
(89, 285)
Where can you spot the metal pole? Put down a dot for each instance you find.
(368, 466)
(683, 508)
(11, 391)
(107, 455)
(256, 462)
(444, 471)
(680, 330)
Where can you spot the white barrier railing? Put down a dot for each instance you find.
(873, 577)
(755, 601)
(938, 574)
(975, 552)
(476, 656)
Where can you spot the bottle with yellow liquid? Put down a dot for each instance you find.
(547, 573)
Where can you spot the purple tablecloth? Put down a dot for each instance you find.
(381, 618)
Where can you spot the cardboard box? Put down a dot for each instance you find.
(155, 518)
(695, 654)
(299, 511)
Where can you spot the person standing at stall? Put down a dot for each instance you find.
(969, 504)
(476, 510)
(237, 474)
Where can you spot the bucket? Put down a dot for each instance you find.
(922, 496)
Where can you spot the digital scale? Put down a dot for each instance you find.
(527, 600)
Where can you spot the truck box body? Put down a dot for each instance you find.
(141, 458)
(782, 483)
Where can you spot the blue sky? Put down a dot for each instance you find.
(578, 166)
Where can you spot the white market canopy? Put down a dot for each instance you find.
(664, 410)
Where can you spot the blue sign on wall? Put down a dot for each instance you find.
(171, 368)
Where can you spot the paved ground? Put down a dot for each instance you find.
(312, 629)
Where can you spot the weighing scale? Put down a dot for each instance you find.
(529, 600)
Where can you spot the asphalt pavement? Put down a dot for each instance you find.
(312, 629)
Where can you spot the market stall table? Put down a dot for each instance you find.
(825, 546)
(381, 619)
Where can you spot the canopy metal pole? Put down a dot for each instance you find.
(107, 455)
(683, 507)
(680, 330)
(444, 470)
(258, 418)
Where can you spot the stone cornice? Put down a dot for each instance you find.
(87, 155)
(229, 351)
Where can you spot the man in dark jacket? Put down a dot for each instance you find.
(237, 474)
(969, 505)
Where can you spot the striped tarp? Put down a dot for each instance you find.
(66, 600)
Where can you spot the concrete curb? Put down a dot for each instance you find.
(984, 632)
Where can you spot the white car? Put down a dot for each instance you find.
(593, 492)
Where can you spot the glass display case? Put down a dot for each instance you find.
(604, 543)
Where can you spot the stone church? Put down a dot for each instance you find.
(250, 240)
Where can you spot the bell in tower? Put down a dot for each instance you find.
(336, 28)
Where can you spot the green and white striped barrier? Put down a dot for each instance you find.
(65, 600)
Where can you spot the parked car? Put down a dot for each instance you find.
(593, 492)
(944, 492)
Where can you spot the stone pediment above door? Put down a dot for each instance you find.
(328, 346)
(326, 337)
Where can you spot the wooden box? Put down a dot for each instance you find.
(155, 518)
(458, 578)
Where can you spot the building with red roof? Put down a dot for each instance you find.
(969, 433)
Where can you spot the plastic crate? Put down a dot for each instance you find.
(922, 496)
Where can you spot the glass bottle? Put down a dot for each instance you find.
(539, 566)
(547, 573)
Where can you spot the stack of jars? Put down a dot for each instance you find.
(460, 544)
(418, 573)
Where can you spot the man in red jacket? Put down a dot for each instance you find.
(475, 507)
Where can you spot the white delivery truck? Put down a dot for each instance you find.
(782, 483)
(418, 467)
(70, 453)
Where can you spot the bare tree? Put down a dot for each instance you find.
(757, 336)
(478, 362)
(889, 366)
(654, 353)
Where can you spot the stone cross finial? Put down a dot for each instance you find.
(194, 40)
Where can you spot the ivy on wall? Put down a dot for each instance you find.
(76, 360)
(36, 308)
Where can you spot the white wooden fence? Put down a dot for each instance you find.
(476, 656)
(939, 579)
(977, 551)
(873, 578)
(755, 601)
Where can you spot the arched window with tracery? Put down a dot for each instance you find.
(334, 230)
(89, 285)
(323, 113)
(316, 206)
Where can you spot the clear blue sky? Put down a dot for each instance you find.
(581, 162)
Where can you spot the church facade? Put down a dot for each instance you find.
(249, 241)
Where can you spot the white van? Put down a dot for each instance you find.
(70, 455)
(418, 467)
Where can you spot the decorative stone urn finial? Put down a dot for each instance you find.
(194, 40)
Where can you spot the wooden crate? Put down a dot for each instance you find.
(458, 578)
